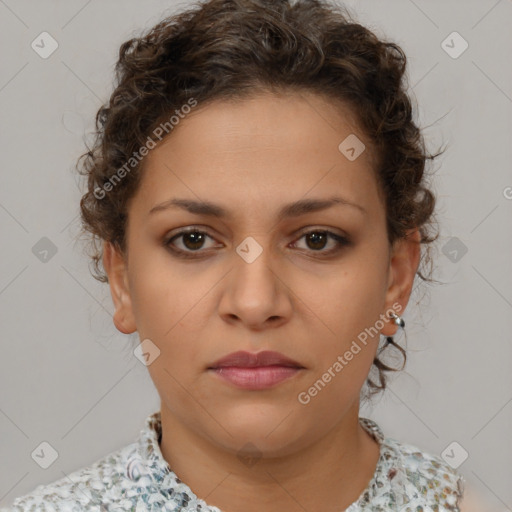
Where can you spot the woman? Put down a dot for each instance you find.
(258, 188)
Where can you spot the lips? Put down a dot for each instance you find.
(242, 359)
(255, 372)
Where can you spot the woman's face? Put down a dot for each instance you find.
(254, 280)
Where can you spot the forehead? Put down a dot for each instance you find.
(262, 149)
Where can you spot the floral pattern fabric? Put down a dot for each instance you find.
(138, 478)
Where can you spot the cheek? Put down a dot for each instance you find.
(172, 310)
(345, 310)
(348, 302)
(162, 295)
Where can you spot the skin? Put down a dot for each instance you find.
(253, 157)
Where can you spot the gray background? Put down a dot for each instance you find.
(69, 378)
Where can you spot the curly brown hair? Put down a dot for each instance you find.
(226, 49)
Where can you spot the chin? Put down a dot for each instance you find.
(271, 429)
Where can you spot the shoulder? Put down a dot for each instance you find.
(90, 488)
(425, 479)
(408, 479)
(134, 478)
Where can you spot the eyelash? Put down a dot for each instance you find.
(341, 242)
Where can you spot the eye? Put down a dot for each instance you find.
(317, 239)
(192, 240)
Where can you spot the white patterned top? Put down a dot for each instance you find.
(138, 478)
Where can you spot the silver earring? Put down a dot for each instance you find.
(398, 321)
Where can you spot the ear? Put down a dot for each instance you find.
(403, 266)
(115, 266)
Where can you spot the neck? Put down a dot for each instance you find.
(328, 475)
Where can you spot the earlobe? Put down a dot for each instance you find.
(115, 267)
(403, 267)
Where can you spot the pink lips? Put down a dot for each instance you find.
(255, 371)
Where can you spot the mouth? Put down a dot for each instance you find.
(255, 360)
(258, 371)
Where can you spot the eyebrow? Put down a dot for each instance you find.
(295, 209)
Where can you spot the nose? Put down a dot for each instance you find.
(254, 294)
